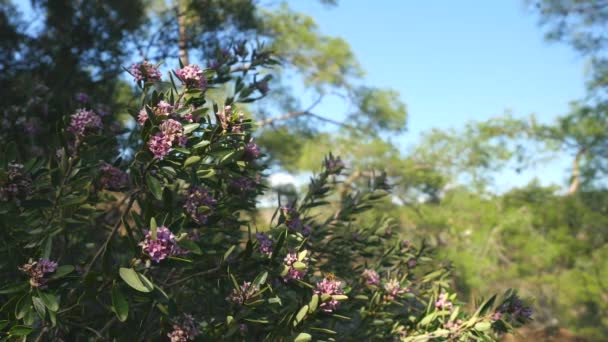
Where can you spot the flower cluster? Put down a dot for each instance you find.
(17, 184)
(84, 121)
(112, 178)
(162, 247)
(371, 277)
(252, 152)
(160, 145)
(199, 204)
(37, 270)
(292, 218)
(265, 243)
(243, 294)
(515, 310)
(145, 71)
(163, 108)
(242, 185)
(393, 289)
(172, 129)
(192, 76)
(184, 330)
(171, 132)
(330, 287)
(443, 303)
(296, 268)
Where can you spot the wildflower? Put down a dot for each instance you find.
(332, 165)
(159, 145)
(160, 248)
(252, 152)
(371, 277)
(243, 294)
(411, 263)
(113, 178)
(142, 117)
(84, 121)
(292, 218)
(184, 329)
(393, 289)
(453, 324)
(515, 310)
(443, 302)
(163, 108)
(265, 243)
(296, 269)
(199, 204)
(145, 71)
(16, 185)
(172, 129)
(192, 76)
(331, 287)
(37, 270)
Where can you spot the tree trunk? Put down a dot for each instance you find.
(575, 183)
(182, 42)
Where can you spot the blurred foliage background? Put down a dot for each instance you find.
(551, 243)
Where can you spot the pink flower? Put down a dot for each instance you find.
(162, 247)
(371, 277)
(142, 117)
(145, 71)
(443, 303)
(329, 286)
(192, 76)
(84, 121)
(172, 129)
(159, 145)
(292, 273)
(393, 289)
(265, 243)
(163, 108)
(243, 294)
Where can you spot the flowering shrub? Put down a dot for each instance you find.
(162, 246)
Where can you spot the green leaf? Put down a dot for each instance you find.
(14, 289)
(339, 297)
(23, 307)
(154, 186)
(135, 280)
(20, 330)
(153, 228)
(49, 300)
(119, 304)
(483, 326)
(62, 271)
(300, 315)
(428, 319)
(3, 324)
(313, 304)
(228, 252)
(191, 160)
(39, 306)
(201, 143)
(303, 337)
(190, 246)
(299, 266)
(260, 279)
(189, 128)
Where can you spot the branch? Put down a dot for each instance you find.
(292, 115)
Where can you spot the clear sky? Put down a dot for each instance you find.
(454, 61)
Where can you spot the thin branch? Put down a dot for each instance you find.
(291, 115)
(199, 274)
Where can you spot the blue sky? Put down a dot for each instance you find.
(455, 61)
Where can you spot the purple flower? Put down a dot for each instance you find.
(160, 248)
(199, 204)
(292, 219)
(411, 263)
(145, 71)
(265, 243)
(113, 178)
(159, 145)
(252, 152)
(184, 329)
(515, 310)
(293, 271)
(443, 303)
(81, 97)
(192, 76)
(16, 185)
(84, 121)
(37, 270)
(172, 129)
(329, 286)
(142, 117)
(393, 289)
(243, 294)
(371, 277)
(333, 166)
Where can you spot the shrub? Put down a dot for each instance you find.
(163, 244)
